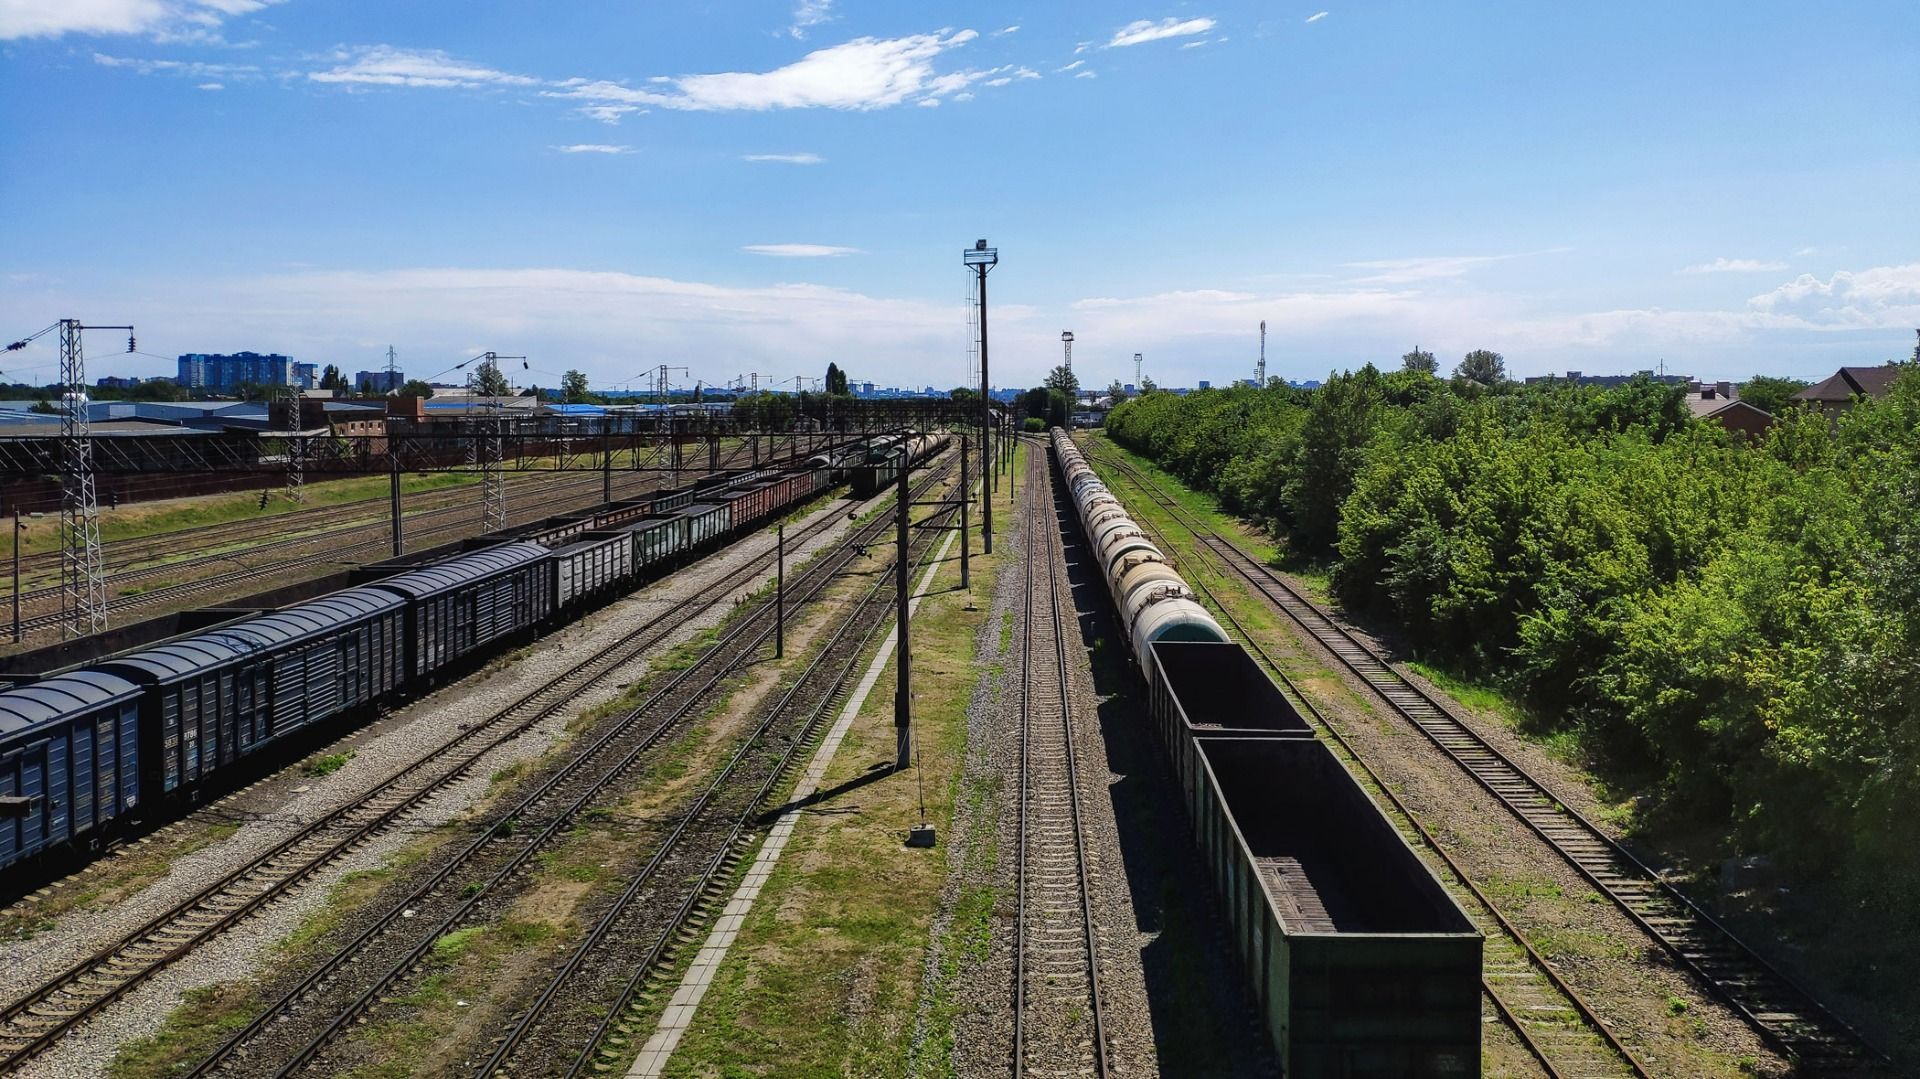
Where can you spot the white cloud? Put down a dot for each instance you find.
(1884, 297)
(210, 86)
(598, 320)
(1316, 16)
(785, 159)
(1001, 81)
(1727, 265)
(865, 73)
(608, 114)
(1085, 75)
(800, 251)
(164, 19)
(594, 148)
(1025, 73)
(188, 69)
(1141, 31)
(1197, 44)
(1005, 30)
(1408, 271)
(808, 14)
(1069, 67)
(384, 65)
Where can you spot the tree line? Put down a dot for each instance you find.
(1727, 628)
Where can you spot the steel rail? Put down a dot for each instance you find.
(1786, 1016)
(824, 699)
(85, 988)
(547, 505)
(1044, 541)
(816, 577)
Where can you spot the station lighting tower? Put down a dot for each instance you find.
(981, 259)
(1260, 370)
(83, 582)
(1137, 383)
(1066, 341)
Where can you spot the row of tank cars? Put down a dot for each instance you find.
(1359, 961)
(87, 749)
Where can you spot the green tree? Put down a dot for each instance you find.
(1770, 393)
(1147, 385)
(836, 380)
(489, 380)
(573, 385)
(332, 379)
(1420, 362)
(1333, 440)
(158, 389)
(1034, 402)
(1063, 380)
(1483, 367)
(414, 387)
(1117, 392)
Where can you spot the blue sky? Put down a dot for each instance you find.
(1728, 187)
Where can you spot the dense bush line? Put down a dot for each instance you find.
(1730, 628)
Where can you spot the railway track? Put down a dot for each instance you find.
(282, 1040)
(687, 871)
(1058, 1024)
(1787, 1017)
(34, 1022)
(459, 517)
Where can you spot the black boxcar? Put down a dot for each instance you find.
(69, 760)
(1214, 688)
(464, 604)
(1361, 964)
(330, 656)
(218, 696)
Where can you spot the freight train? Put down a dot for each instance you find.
(1359, 962)
(86, 751)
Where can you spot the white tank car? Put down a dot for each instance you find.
(1154, 601)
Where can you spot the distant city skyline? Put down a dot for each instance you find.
(760, 186)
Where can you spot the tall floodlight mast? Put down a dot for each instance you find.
(1138, 385)
(981, 259)
(1260, 371)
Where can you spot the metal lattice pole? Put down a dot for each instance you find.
(493, 478)
(296, 447)
(83, 591)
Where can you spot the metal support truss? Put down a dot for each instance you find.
(296, 448)
(493, 476)
(83, 582)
